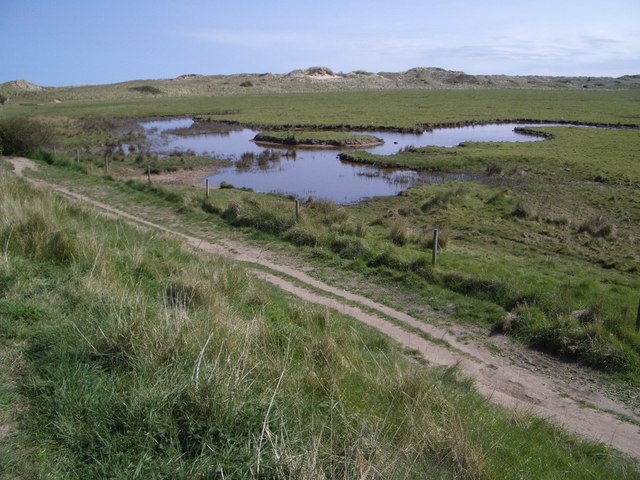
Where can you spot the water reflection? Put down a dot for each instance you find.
(318, 173)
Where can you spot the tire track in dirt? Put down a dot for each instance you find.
(498, 379)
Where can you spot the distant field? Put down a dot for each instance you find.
(401, 109)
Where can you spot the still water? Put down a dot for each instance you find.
(318, 172)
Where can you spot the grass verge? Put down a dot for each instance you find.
(140, 360)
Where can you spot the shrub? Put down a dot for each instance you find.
(246, 83)
(24, 136)
(146, 89)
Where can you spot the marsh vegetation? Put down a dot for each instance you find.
(135, 356)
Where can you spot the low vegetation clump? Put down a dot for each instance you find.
(508, 245)
(597, 226)
(24, 136)
(541, 243)
(315, 138)
(150, 89)
(398, 241)
(134, 358)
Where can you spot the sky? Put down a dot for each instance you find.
(88, 42)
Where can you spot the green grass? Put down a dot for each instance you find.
(582, 154)
(547, 217)
(402, 109)
(510, 254)
(136, 359)
(541, 239)
(306, 138)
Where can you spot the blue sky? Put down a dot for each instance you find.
(64, 42)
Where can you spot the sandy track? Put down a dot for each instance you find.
(498, 379)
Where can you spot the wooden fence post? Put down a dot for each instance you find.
(434, 256)
(206, 186)
(297, 210)
(77, 155)
(149, 174)
(106, 163)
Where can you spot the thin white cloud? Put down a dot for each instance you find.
(252, 38)
(508, 52)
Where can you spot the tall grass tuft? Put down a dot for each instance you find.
(399, 232)
(597, 226)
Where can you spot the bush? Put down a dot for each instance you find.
(246, 83)
(24, 136)
(146, 89)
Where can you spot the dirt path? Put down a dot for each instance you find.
(498, 379)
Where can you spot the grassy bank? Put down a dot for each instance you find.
(306, 138)
(134, 359)
(542, 240)
(555, 278)
(543, 245)
(535, 288)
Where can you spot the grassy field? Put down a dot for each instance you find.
(134, 359)
(403, 109)
(542, 232)
(540, 241)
